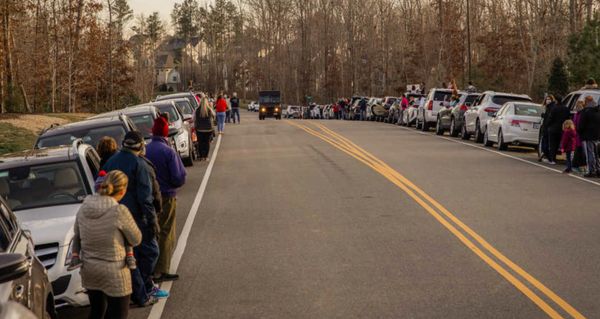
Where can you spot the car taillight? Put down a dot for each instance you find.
(464, 107)
(430, 105)
(490, 110)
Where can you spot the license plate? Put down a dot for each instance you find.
(536, 126)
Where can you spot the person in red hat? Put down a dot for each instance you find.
(171, 176)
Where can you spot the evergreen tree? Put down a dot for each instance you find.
(558, 81)
(584, 53)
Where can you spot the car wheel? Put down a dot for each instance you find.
(501, 145)
(464, 134)
(424, 125)
(439, 130)
(486, 140)
(453, 130)
(478, 134)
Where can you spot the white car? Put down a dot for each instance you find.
(45, 188)
(516, 123)
(179, 128)
(409, 116)
(477, 116)
(253, 106)
(427, 113)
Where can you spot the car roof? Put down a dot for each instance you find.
(89, 123)
(505, 93)
(173, 96)
(524, 103)
(42, 156)
(130, 110)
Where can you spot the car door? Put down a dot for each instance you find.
(471, 114)
(496, 122)
(18, 244)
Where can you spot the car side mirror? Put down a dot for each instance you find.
(13, 266)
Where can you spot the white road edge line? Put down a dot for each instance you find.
(503, 154)
(159, 307)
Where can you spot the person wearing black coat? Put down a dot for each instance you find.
(550, 102)
(558, 115)
(589, 133)
(203, 124)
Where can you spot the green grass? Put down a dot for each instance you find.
(15, 139)
(74, 117)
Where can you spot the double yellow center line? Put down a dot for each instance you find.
(464, 233)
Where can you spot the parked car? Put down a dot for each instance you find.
(23, 278)
(253, 106)
(182, 136)
(371, 103)
(90, 131)
(293, 112)
(571, 99)
(191, 97)
(142, 116)
(45, 188)
(354, 109)
(477, 116)
(436, 100)
(381, 108)
(408, 116)
(515, 123)
(452, 118)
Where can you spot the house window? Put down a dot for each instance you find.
(174, 78)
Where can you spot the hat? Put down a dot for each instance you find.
(101, 178)
(134, 141)
(160, 127)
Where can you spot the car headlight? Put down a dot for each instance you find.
(69, 254)
(263, 109)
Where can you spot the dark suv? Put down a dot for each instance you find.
(90, 131)
(23, 278)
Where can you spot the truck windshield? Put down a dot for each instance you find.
(270, 99)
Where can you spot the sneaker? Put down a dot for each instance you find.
(166, 277)
(544, 160)
(567, 171)
(151, 301)
(552, 163)
(159, 293)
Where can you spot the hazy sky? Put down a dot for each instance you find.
(164, 7)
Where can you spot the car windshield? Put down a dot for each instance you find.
(169, 109)
(89, 136)
(43, 185)
(143, 123)
(184, 107)
(501, 99)
(528, 110)
(442, 96)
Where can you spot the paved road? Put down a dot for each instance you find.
(382, 222)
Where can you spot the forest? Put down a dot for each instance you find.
(95, 55)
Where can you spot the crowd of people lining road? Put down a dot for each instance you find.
(125, 234)
(576, 135)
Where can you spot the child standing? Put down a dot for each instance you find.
(568, 143)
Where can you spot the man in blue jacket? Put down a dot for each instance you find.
(171, 175)
(140, 202)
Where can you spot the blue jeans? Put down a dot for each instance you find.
(591, 153)
(569, 156)
(235, 112)
(220, 121)
(146, 255)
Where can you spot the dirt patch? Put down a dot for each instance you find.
(35, 123)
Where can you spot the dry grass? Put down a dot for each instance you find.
(19, 131)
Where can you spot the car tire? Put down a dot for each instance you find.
(486, 140)
(424, 125)
(439, 130)
(502, 146)
(464, 134)
(453, 131)
(478, 134)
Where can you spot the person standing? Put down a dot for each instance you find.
(107, 147)
(221, 108)
(235, 108)
(203, 123)
(171, 176)
(140, 202)
(589, 132)
(549, 104)
(228, 112)
(579, 162)
(103, 228)
(558, 115)
(568, 142)
(363, 109)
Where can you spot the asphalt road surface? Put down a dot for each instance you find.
(340, 219)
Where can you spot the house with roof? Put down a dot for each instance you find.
(167, 76)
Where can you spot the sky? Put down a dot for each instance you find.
(146, 7)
